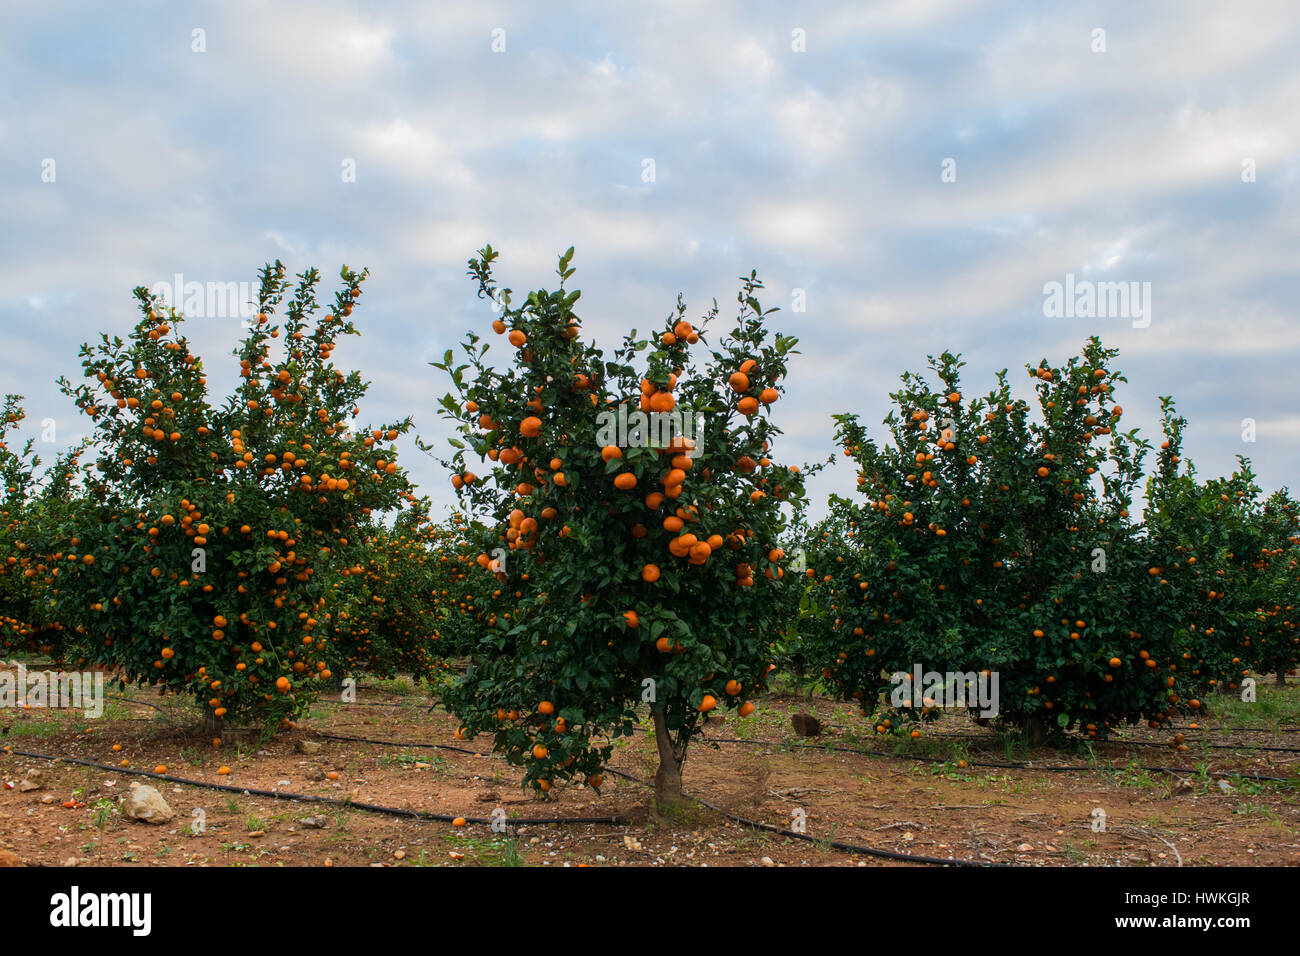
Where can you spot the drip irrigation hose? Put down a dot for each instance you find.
(836, 844)
(1047, 768)
(612, 820)
(312, 798)
(1120, 742)
(753, 824)
(1193, 743)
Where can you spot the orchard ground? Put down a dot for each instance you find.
(846, 785)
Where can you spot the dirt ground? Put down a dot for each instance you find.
(927, 797)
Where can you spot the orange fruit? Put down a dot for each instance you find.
(625, 481)
(707, 704)
(546, 708)
(739, 381)
(610, 452)
(650, 573)
(746, 708)
(458, 822)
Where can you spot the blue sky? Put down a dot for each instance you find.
(820, 168)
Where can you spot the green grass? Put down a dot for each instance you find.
(502, 851)
(1275, 707)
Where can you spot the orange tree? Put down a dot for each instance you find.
(1199, 585)
(631, 512)
(411, 597)
(996, 542)
(1275, 632)
(31, 502)
(204, 555)
(1222, 567)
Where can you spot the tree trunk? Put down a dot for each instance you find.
(211, 724)
(1281, 675)
(668, 778)
(1035, 731)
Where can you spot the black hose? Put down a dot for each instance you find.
(311, 798)
(836, 844)
(1047, 768)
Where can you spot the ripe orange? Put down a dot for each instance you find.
(546, 708)
(739, 381)
(650, 573)
(458, 822)
(625, 481)
(707, 704)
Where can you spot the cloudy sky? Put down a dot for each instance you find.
(920, 169)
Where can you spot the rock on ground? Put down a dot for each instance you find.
(147, 804)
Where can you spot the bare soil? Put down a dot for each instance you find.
(942, 806)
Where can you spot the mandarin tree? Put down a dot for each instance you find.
(412, 603)
(31, 503)
(1275, 633)
(205, 553)
(995, 541)
(632, 514)
(1198, 537)
(1222, 567)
